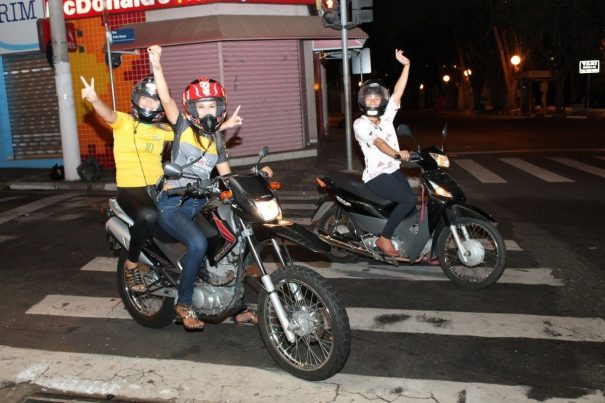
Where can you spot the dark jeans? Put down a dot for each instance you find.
(394, 187)
(138, 205)
(178, 222)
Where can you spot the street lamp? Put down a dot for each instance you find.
(446, 78)
(515, 60)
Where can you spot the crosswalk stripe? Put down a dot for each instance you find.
(169, 379)
(535, 170)
(9, 198)
(361, 271)
(4, 238)
(483, 174)
(298, 206)
(298, 196)
(478, 324)
(33, 206)
(580, 165)
(475, 324)
(512, 246)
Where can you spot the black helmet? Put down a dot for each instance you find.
(372, 87)
(146, 87)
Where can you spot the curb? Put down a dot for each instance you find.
(100, 187)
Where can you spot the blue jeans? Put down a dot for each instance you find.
(177, 221)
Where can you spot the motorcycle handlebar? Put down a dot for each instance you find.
(415, 157)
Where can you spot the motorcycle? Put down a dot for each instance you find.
(470, 249)
(302, 321)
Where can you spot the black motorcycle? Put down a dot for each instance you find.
(302, 322)
(463, 237)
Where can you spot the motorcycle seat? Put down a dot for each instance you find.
(354, 186)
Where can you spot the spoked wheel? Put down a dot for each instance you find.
(485, 253)
(318, 319)
(341, 226)
(147, 309)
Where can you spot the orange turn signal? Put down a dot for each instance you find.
(320, 183)
(274, 185)
(227, 194)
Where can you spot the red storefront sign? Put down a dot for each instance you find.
(44, 37)
(89, 8)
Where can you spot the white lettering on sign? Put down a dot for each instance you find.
(82, 7)
(589, 66)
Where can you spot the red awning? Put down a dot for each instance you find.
(230, 28)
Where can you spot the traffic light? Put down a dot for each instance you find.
(330, 13)
(361, 11)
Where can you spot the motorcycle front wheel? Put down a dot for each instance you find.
(148, 310)
(486, 253)
(318, 320)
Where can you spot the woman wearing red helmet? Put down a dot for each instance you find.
(138, 142)
(376, 135)
(200, 149)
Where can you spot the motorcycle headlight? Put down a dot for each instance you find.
(442, 160)
(439, 190)
(268, 209)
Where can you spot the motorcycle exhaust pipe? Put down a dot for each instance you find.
(119, 230)
(356, 249)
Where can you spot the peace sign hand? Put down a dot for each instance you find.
(88, 92)
(234, 120)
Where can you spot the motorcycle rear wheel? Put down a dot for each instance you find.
(321, 325)
(488, 254)
(328, 224)
(148, 310)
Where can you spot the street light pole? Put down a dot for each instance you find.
(346, 80)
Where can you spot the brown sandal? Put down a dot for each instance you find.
(246, 317)
(134, 280)
(189, 317)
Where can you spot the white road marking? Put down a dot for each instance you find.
(512, 246)
(33, 206)
(478, 324)
(475, 324)
(151, 379)
(580, 165)
(9, 198)
(105, 264)
(300, 220)
(4, 238)
(535, 170)
(297, 206)
(482, 174)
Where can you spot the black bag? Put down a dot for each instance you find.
(57, 172)
(90, 170)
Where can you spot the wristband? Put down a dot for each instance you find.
(397, 156)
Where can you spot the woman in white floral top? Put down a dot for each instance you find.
(376, 135)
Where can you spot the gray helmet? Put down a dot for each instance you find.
(372, 87)
(146, 87)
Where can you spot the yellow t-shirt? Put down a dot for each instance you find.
(137, 151)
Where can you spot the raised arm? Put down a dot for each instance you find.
(403, 78)
(170, 107)
(100, 107)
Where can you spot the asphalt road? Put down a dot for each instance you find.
(551, 216)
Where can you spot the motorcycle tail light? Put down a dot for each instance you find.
(320, 182)
(227, 194)
(274, 185)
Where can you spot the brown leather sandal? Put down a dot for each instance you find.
(134, 280)
(189, 317)
(246, 317)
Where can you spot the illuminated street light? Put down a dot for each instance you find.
(421, 86)
(515, 60)
(467, 73)
(446, 78)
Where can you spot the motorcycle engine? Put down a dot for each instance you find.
(370, 244)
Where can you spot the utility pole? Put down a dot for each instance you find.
(346, 80)
(67, 114)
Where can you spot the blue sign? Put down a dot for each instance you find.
(124, 35)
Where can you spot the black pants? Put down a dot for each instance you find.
(394, 187)
(142, 209)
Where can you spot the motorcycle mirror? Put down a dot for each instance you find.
(444, 135)
(404, 130)
(171, 169)
(263, 152)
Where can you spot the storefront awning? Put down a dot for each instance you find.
(230, 28)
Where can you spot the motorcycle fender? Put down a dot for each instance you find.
(325, 204)
(468, 210)
(298, 234)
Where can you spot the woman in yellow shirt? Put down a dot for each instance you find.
(137, 149)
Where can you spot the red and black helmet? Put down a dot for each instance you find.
(200, 90)
(373, 87)
(146, 87)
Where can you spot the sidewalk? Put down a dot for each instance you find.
(294, 174)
